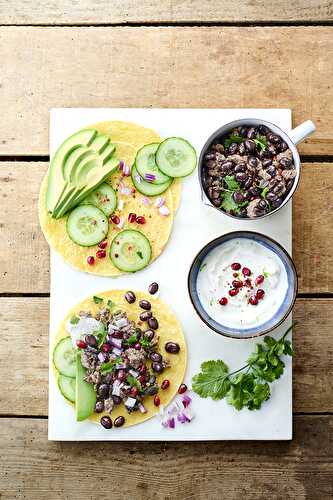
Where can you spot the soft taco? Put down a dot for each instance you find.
(105, 206)
(118, 356)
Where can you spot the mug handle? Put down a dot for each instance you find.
(302, 131)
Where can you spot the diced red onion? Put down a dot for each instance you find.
(120, 205)
(101, 357)
(133, 373)
(164, 211)
(130, 402)
(181, 417)
(138, 178)
(116, 342)
(150, 177)
(117, 351)
(126, 170)
(142, 408)
(121, 165)
(146, 201)
(121, 322)
(159, 202)
(186, 401)
(171, 423)
(188, 414)
(126, 191)
(117, 385)
(112, 328)
(121, 223)
(121, 366)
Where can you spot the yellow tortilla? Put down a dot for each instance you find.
(128, 138)
(169, 330)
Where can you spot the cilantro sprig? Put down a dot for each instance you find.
(228, 202)
(249, 386)
(232, 138)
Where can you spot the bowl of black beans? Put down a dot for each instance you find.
(250, 168)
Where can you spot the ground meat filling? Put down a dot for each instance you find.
(249, 172)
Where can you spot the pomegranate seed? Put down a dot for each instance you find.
(259, 279)
(141, 379)
(106, 347)
(137, 346)
(165, 384)
(115, 219)
(235, 266)
(253, 300)
(101, 254)
(91, 260)
(260, 293)
(81, 344)
(246, 271)
(134, 392)
(131, 217)
(140, 219)
(157, 400)
(223, 301)
(182, 388)
(237, 284)
(103, 244)
(233, 292)
(248, 283)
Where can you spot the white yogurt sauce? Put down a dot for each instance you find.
(215, 280)
(85, 326)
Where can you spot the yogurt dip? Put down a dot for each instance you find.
(242, 283)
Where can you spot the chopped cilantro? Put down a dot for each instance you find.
(100, 334)
(110, 303)
(264, 192)
(232, 138)
(265, 274)
(110, 365)
(228, 203)
(74, 320)
(133, 382)
(261, 142)
(145, 343)
(231, 182)
(97, 300)
(132, 339)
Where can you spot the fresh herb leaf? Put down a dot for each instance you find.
(110, 303)
(145, 343)
(231, 182)
(139, 254)
(74, 320)
(264, 192)
(100, 334)
(261, 142)
(132, 339)
(228, 203)
(107, 367)
(265, 274)
(133, 382)
(97, 300)
(232, 138)
(247, 387)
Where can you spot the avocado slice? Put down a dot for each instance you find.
(85, 395)
(108, 152)
(100, 143)
(56, 182)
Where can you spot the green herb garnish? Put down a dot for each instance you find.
(97, 300)
(265, 274)
(139, 254)
(74, 320)
(110, 365)
(264, 192)
(110, 303)
(133, 382)
(231, 182)
(132, 339)
(144, 343)
(232, 138)
(247, 387)
(228, 203)
(261, 142)
(100, 335)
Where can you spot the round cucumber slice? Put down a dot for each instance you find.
(104, 198)
(146, 165)
(67, 387)
(148, 188)
(176, 157)
(87, 225)
(130, 251)
(64, 358)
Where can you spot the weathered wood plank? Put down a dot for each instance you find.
(26, 321)
(24, 254)
(33, 468)
(162, 67)
(172, 11)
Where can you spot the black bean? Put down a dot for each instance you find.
(252, 161)
(272, 149)
(130, 297)
(250, 145)
(210, 156)
(216, 202)
(153, 288)
(232, 148)
(243, 212)
(283, 146)
(215, 194)
(273, 138)
(119, 421)
(99, 406)
(267, 162)
(117, 400)
(90, 340)
(149, 334)
(156, 356)
(271, 171)
(263, 130)
(276, 203)
(254, 191)
(248, 182)
(262, 205)
(145, 304)
(227, 166)
(172, 347)
(103, 390)
(157, 367)
(247, 195)
(153, 323)
(240, 176)
(285, 162)
(145, 315)
(271, 197)
(106, 422)
(251, 133)
(152, 380)
(241, 167)
(238, 197)
(241, 149)
(243, 131)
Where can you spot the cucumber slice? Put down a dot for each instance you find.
(67, 387)
(146, 165)
(64, 357)
(148, 188)
(87, 225)
(130, 251)
(176, 157)
(104, 198)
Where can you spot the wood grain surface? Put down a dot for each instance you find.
(24, 253)
(33, 468)
(166, 11)
(45, 67)
(26, 319)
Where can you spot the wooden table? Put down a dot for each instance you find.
(190, 53)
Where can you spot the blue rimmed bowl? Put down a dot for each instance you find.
(286, 305)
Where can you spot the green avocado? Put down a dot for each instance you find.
(79, 166)
(85, 395)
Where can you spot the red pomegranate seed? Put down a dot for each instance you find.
(248, 283)
(259, 279)
(131, 217)
(260, 293)
(81, 344)
(106, 347)
(115, 219)
(142, 379)
(253, 300)
(165, 384)
(233, 292)
(140, 219)
(237, 284)
(182, 388)
(101, 254)
(246, 271)
(223, 301)
(103, 244)
(137, 346)
(157, 400)
(134, 392)
(91, 260)
(235, 266)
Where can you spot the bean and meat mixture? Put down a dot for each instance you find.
(123, 359)
(249, 172)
